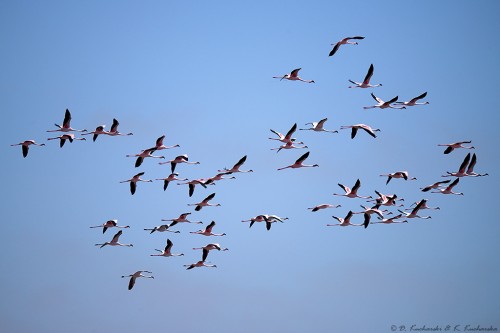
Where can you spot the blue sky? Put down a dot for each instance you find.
(201, 73)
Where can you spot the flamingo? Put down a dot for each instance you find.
(68, 136)
(298, 163)
(220, 176)
(293, 76)
(205, 202)
(26, 144)
(114, 130)
(344, 41)
(414, 101)
(466, 168)
(270, 219)
(265, 218)
(386, 199)
(288, 137)
(142, 155)
(434, 186)
(133, 181)
(470, 168)
(181, 219)
(236, 167)
(323, 206)
(352, 193)
(114, 241)
(415, 210)
(162, 228)
(366, 81)
(318, 126)
(344, 222)
(288, 145)
(373, 210)
(160, 146)
(366, 128)
(424, 205)
(192, 184)
(391, 220)
(136, 275)
(179, 159)
(66, 127)
(98, 131)
(109, 224)
(209, 247)
(384, 105)
(449, 189)
(451, 146)
(398, 174)
(166, 252)
(207, 231)
(200, 263)
(171, 177)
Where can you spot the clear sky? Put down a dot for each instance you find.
(200, 72)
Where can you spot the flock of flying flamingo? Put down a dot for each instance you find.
(288, 142)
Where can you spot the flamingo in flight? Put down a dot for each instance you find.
(397, 174)
(136, 275)
(366, 81)
(270, 219)
(434, 186)
(181, 219)
(318, 126)
(162, 228)
(366, 128)
(288, 145)
(266, 218)
(113, 132)
(220, 176)
(424, 205)
(109, 224)
(344, 41)
(236, 167)
(449, 188)
(384, 105)
(66, 126)
(67, 136)
(466, 168)
(160, 146)
(451, 146)
(167, 251)
(205, 202)
(298, 163)
(192, 184)
(209, 247)
(386, 199)
(288, 137)
(26, 144)
(293, 76)
(207, 231)
(142, 155)
(414, 101)
(323, 206)
(133, 181)
(200, 263)
(391, 220)
(344, 222)
(179, 159)
(170, 178)
(414, 212)
(352, 193)
(114, 241)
